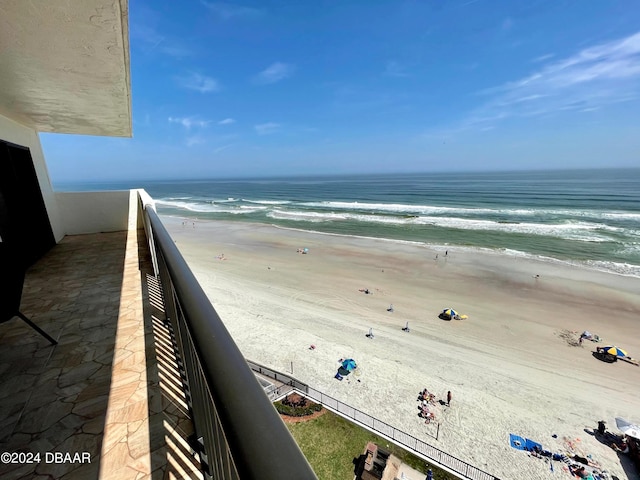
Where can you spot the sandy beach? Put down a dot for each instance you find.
(513, 366)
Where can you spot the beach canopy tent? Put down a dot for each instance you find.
(349, 364)
(629, 429)
(346, 367)
(450, 312)
(611, 350)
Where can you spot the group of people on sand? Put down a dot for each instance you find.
(427, 400)
(619, 444)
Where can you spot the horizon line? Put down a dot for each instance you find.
(334, 175)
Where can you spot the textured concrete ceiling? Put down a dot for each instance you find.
(64, 65)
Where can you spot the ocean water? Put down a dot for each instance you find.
(582, 217)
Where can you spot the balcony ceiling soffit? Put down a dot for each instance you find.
(64, 65)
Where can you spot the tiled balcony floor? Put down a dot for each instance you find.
(110, 388)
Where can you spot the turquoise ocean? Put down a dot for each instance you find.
(589, 218)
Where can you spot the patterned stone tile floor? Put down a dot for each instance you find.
(109, 394)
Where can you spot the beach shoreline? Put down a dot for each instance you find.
(511, 366)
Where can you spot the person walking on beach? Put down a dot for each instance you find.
(449, 398)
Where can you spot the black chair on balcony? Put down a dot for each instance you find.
(11, 283)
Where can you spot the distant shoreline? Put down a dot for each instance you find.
(441, 248)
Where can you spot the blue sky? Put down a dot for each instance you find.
(232, 89)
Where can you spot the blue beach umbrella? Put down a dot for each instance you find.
(612, 350)
(349, 364)
(450, 312)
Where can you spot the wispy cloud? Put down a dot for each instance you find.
(226, 121)
(152, 41)
(274, 73)
(591, 79)
(199, 83)
(542, 58)
(469, 2)
(189, 122)
(195, 140)
(227, 11)
(220, 149)
(267, 128)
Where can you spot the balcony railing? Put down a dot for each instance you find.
(239, 433)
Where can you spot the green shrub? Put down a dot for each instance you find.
(309, 409)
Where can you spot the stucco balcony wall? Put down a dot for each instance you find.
(94, 212)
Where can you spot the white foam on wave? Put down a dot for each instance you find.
(629, 248)
(626, 269)
(432, 209)
(208, 207)
(402, 208)
(580, 231)
(621, 215)
(191, 206)
(243, 210)
(306, 216)
(253, 208)
(309, 216)
(267, 202)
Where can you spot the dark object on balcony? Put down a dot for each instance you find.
(11, 283)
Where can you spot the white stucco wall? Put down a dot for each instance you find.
(93, 212)
(13, 132)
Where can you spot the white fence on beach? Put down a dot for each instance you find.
(432, 454)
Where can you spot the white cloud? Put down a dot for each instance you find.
(195, 140)
(275, 72)
(188, 122)
(200, 83)
(227, 11)
(176, 50)
(151, 40)
(267, 128)
(226, 121)
(220, 149)
(591, 79)
(542, 58)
